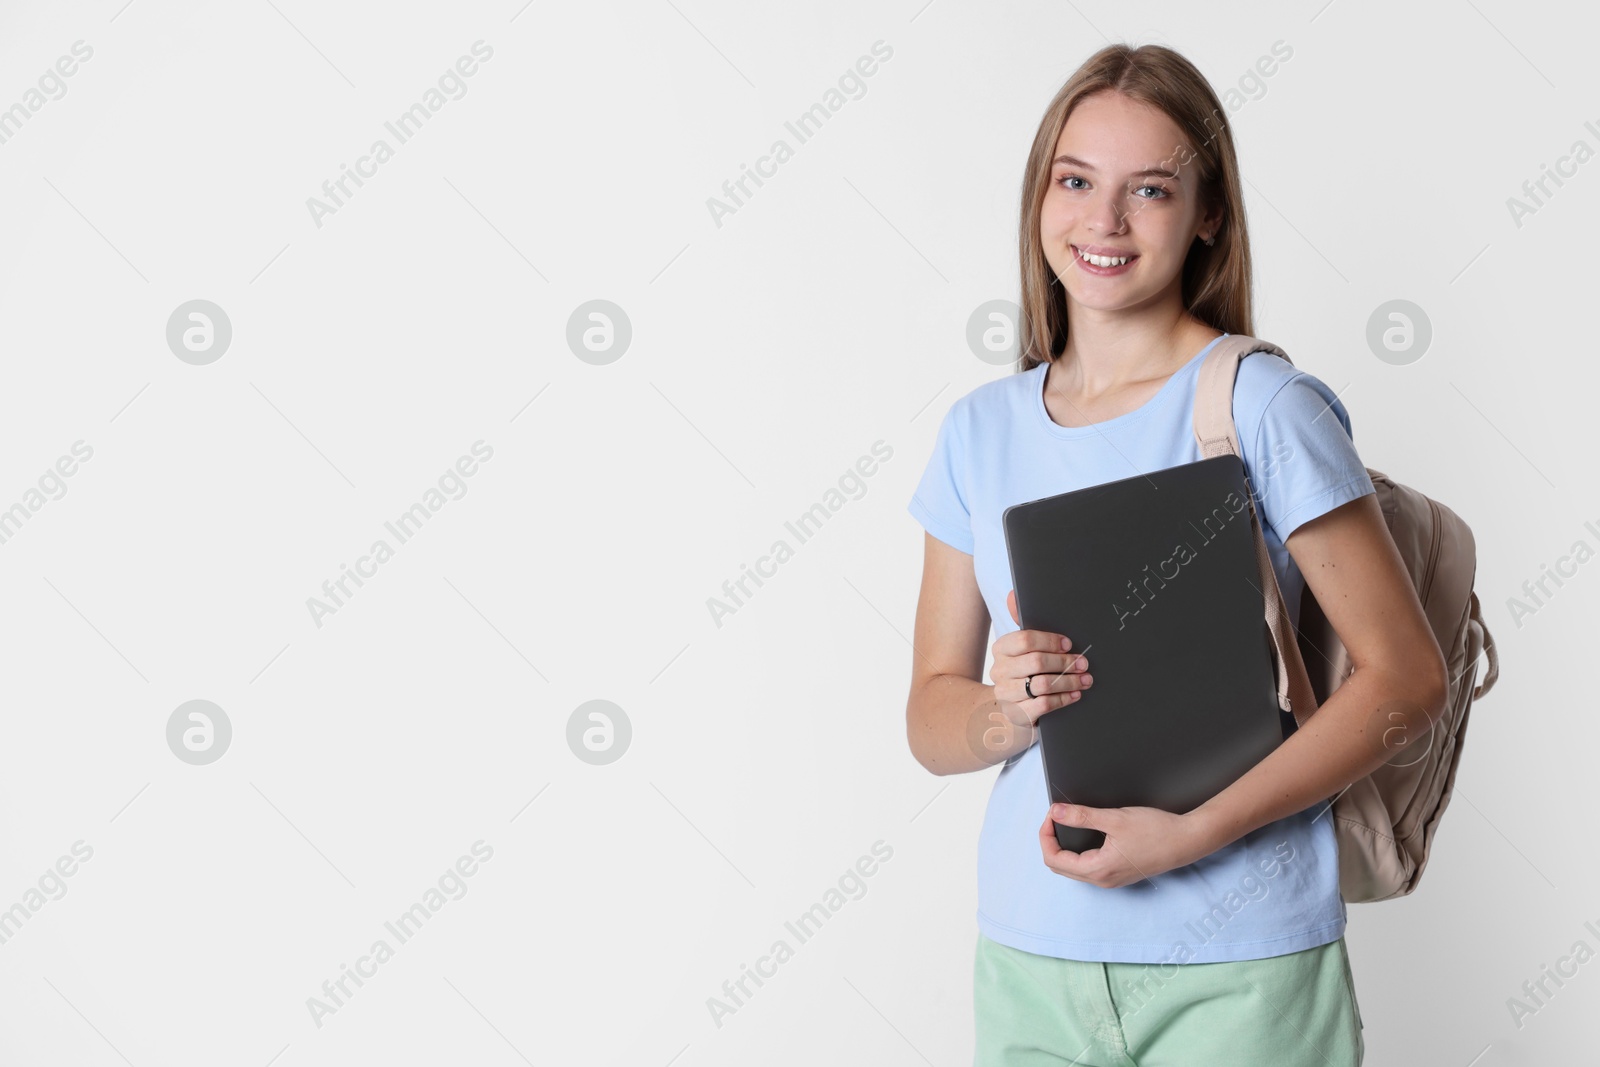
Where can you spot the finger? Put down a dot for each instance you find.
(1082, 816)
(1040, 661)
(1032, 695)
(1021, 642)
(1024, 713)
(1011, 603)
(1044, 683)
(1061, 860)
(1047, 840)
(1078, 815)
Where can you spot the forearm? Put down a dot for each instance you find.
(1348, 738)
(955, 725)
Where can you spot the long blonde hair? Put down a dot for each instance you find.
(1216, 278)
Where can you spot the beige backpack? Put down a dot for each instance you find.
(1385, 822)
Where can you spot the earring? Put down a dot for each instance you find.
(1211, 240)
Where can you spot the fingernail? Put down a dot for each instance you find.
(1087, 679)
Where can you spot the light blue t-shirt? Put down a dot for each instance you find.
(1271, 892)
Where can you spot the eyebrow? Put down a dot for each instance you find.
(1159, 172)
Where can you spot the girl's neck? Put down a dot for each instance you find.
(1104, 355)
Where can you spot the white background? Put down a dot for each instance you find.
(769, 353)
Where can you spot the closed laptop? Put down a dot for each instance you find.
(1155, 579)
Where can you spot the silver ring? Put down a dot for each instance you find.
(1027, 686)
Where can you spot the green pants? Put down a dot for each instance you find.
(1287, 1011)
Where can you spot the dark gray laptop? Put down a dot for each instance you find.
(1155, 579)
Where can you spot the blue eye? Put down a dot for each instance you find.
(1161, 192)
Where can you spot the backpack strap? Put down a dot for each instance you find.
(1213, 394)
(1493, 673)
(1215, 431)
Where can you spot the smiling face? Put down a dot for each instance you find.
(1123, 186)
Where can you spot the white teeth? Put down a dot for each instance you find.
(1104, 261)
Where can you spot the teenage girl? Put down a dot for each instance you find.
(1214, 937)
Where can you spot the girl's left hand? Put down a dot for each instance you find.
(1140, 843)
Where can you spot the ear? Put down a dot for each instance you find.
(1212, 219)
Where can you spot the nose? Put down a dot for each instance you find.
(1107, 216)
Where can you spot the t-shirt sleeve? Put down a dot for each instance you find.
(940, 502)
(1304, 459)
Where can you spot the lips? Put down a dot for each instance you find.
(1106, 259)
(1100, 266)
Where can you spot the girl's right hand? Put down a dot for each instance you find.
(1058, 673)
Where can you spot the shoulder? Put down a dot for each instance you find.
(1297, 443)
(997, 401)
(1269, 384)
(1261, 375)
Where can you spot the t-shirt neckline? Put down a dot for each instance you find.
(1166, 390)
